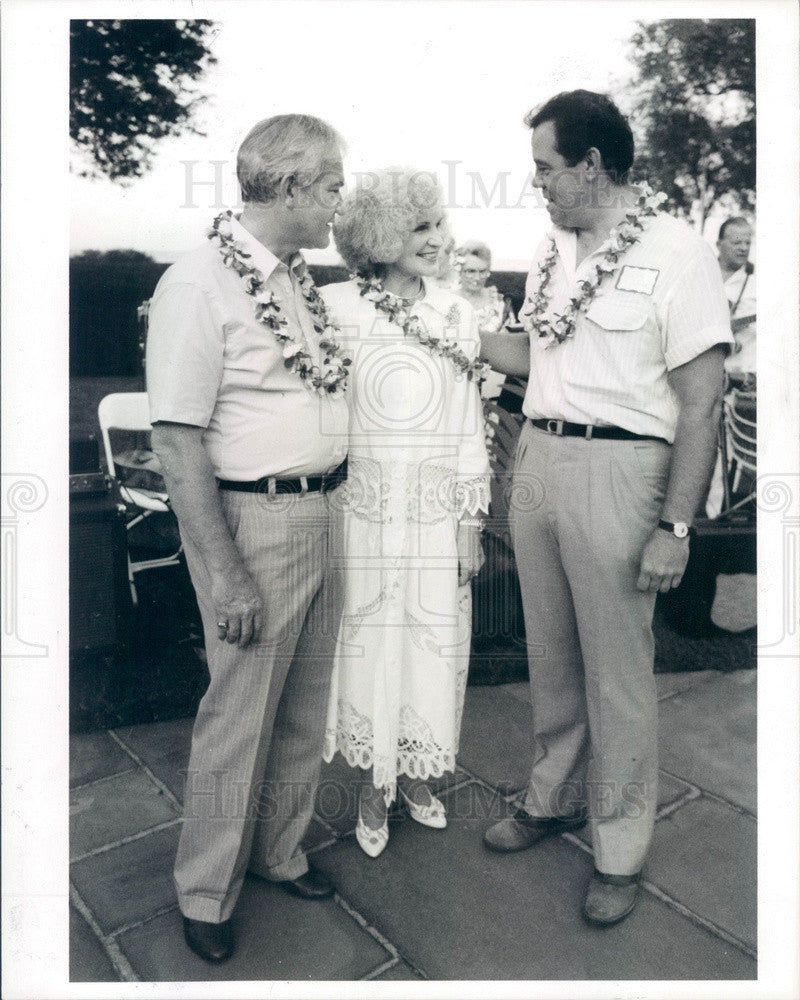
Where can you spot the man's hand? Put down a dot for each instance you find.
(195, 498)
(470, 552)
(237, 602)
(663, 562)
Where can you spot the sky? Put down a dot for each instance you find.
(439, 86)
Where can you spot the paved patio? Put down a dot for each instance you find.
(436, 905)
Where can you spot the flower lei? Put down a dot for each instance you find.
(332, 376)
(392, 305)
(623, 236)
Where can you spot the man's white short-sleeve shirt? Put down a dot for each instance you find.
(662, 307)
(211, 365)
(740, 288)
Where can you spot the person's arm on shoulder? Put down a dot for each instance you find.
(195, 498)
(507, 353)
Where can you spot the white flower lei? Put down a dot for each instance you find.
(392, 305)
(332, 377)
(623, 236)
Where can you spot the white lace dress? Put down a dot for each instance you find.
(417, 462)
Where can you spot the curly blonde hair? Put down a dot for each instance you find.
(378, 216)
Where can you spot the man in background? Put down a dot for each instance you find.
(733, 246)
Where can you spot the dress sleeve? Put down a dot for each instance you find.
(472, 493)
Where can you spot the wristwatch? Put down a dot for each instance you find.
(680, 529)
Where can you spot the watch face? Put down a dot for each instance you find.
(681, 529)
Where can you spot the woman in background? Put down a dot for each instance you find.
(493, 311)
(418, 479)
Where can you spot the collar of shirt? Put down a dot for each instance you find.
(263, 258)
(566, 241)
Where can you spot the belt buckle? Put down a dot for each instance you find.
(555, 427)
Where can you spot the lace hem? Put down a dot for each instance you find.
(418, 755)
(472, 496)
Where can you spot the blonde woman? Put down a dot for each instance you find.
(418, 481)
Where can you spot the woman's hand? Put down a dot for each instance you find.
(470, 552)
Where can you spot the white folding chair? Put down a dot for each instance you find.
(128, 411)
(739, 441)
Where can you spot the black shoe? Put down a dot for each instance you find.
(521, 831)
(212, 942)
(313, 885)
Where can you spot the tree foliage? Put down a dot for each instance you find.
(693, 112)
(133, 82)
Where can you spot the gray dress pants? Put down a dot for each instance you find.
(257, 739)
(581, 512)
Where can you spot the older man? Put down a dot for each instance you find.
(733, 247)
(628, 331)
(249, 420)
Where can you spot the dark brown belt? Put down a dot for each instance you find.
(563, 428)
(270, 485)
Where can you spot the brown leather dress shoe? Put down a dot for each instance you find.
(520, 831)
(212, 942)
(313, 885)
(610, 898)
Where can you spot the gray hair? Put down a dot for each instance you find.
(377, 217)
(297, 146)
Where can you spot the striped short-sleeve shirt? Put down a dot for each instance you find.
(662, 307)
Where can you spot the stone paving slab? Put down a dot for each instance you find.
(278, 937)
(129, 883)
(93, 756)
(496, 738)
(529, 904)
(705, 856)
(113, 809)
(707, 736)
(88, 962)
(337, 795)
(164, 748)
(401, 972)
(517, 689)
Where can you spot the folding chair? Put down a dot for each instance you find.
(128, 411)
(739, 414)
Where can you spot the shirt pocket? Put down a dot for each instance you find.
(619, 312)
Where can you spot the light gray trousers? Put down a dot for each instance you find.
(257, 739)
(581, 512)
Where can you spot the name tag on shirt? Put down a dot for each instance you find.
(637, 279)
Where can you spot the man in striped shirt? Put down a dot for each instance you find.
(628, 333)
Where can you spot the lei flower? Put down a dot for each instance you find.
(332, 376)
(415, 329)
(561, 326)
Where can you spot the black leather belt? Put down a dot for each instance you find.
(271, 485)
(563, 428)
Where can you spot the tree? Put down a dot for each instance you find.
(693, 112)
(132, 83)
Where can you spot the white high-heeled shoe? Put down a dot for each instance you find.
(372, 842)
(432, 815)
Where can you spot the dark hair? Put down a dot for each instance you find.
(736, 220)
(582, 120)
